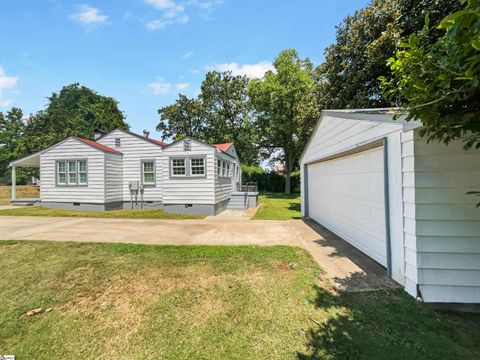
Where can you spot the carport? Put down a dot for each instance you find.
(32, 160)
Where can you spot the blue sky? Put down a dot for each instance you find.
(144, 52)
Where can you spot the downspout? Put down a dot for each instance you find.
(386, 192)
(305, 191)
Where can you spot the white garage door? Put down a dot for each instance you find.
(346, 195)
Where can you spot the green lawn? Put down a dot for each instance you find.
(113, 301)
(117, 214)
(278, 206)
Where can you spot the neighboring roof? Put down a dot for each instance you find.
(223, 147)
(97, 145)
(153, 141)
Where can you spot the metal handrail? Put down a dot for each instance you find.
(248, 187)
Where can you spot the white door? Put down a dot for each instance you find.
(346, 195)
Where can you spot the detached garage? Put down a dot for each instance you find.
(381, 187)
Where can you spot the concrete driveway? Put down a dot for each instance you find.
(348, 268)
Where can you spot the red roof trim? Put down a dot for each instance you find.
(98, 146)
(158, 142)
(223, 147)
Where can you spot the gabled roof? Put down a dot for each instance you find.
(220, 147)
(223, 147)
(153, 141)
(379, 115)
(97, 145)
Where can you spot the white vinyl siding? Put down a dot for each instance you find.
(447, 223)
(113, 178)
(92, 192)
(178, 189)
(135, 150)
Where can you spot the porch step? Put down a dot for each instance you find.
(22, 204)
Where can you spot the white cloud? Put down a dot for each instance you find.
(250, 70)
(160, 86)
(6, 83)
(182, 86)
(173, 13)
(187, 55)
(160, 4)
(157, 24)
(89, 16)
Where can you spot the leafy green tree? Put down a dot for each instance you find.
(185, 117)
(75, 110)
(221, 113)
(12, 127)
(229, 113)
(365, 40)
(285, 102)
(439, 81)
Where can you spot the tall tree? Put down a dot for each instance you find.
(365, 40)
(228, 113)
(440, 81)
(75, 110)
(285, 103)
(221, 113)
(185, 117)
(12, 127)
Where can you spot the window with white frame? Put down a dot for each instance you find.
(148, 172)
(224, 168)
(82, 172)
(197, 166)
(72, 172)
(118, 142)
(178, 167)
(62, 172)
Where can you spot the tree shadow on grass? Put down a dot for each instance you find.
(295, 207)
(388, 324)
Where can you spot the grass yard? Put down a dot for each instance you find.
(278, 206)
(113, 301)
(116, 214)
(23, 191)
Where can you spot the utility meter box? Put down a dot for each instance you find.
(134, 185)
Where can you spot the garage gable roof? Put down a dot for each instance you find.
(378, 115)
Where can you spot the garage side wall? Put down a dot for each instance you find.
(447, 223)
(335, 135)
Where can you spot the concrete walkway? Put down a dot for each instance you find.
(349, 269)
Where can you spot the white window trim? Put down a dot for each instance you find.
(67, 172)
(184, 166)
(149, 161)
(224, 169)
(204, 166)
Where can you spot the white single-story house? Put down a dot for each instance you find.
(121, 169)
(377, 184)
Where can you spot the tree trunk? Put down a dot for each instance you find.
(288, 168)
